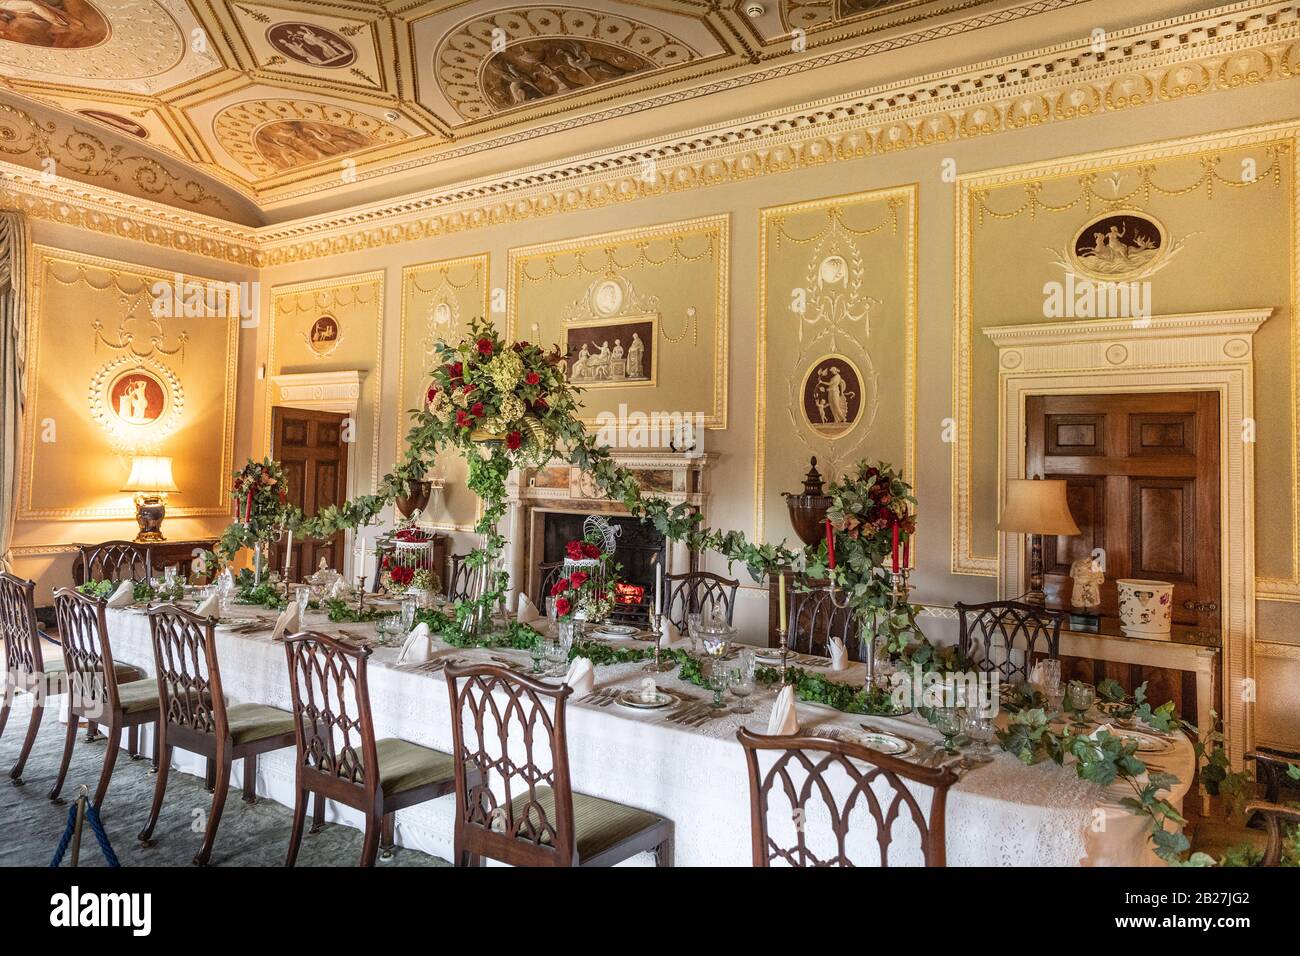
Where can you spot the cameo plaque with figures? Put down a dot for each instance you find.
(609, 352)
(832, 396)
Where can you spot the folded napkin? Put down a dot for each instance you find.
(339, 588)
(527, 612)
(784, 722)
(209, 607)
(1103, 727)
(418, 647)
(581, 676)
(286, 623)
(839, 655)
(1036, 674)
(124, 595)
(668, 633)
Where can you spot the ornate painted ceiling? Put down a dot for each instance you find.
(237, 109)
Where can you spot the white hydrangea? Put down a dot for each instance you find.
(512, 407)
(506, 370)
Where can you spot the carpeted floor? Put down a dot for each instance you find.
(256, 835)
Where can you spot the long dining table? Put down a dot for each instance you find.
(1003, 813)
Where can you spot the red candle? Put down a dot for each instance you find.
(248, 509)
(895, 554)
(907, 551)
(830, 544)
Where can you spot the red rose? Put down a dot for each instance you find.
(532, 378)
(455, 370)
(590, 551)
(431, 394)
(514, 440)
(462, 419)
(559, 587)
(574, 550)
(578, 578)
(284, 496)
(476, 409)
(467, 389)
(485, 346)
(562, 606)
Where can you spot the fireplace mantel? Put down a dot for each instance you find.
(677, 477)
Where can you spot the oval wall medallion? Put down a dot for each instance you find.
(1118, 244)
(324, 336)
(1012, 359)
(832, 396)
(136, 401)
(1236, 348)
(1117, 354)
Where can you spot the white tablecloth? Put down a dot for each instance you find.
(1002, 814)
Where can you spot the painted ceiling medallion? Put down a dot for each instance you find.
(76, 39)
(116, 120)
(311, 44)
(503, 61)
(270, 136)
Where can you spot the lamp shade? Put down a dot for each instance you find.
(1036, 506)
(150, 474)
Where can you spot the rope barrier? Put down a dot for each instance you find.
(83, 810)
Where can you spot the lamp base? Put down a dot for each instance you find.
(149, 513)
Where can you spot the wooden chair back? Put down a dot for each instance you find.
(803, 800)
(814, 620)
(547, 574)
(332, 720)
(19, 628)
(510, 728)
(115, 561)
(189, 680)
(87, 653)
(694, 591)
(1034, 631)
(461, 584)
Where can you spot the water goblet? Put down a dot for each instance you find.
(741, 679)
(302, 597)
(717, 680)
(1081, 697)
(557, 656)
(538, 653)
(409, 607)
(693, 620)
(948, 723)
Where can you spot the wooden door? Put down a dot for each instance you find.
(311, 448)
(1142, 474)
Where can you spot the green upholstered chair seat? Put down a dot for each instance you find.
(249, 722)
(598, 824)
(404, 766)
(138, 695)
(1216, 837)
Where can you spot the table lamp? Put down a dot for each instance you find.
(1036, 507)
(151, 480)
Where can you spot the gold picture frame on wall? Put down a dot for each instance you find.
(632, 361)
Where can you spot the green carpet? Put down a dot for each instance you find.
(256, 835)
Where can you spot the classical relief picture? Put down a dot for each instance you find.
(550, 66)
(137, 398)
(323, 338)
(289, 143)
(60, 24)
(617, 352)
(832, 396)
(311, 44)
(117, 121)
(1116, 245)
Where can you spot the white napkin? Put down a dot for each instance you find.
(527, 612)
(209, 607)
(1036, 674)
(124, 595)
(286, 623)
(1107, 728)
(339, 588)
(581, 676)
(839, 655)
(668, 633)
(784, 722)
(418, 647)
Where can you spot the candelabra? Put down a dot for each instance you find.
(783, 634)
(898, 591)
(657, 665)
(361, 593)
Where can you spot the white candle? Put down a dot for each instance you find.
(288, 551)
(659, 588)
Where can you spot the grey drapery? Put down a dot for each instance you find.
(13, 358)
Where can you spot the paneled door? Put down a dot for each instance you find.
(310, 445)
(1142, 473)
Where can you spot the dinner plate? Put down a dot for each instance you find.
(616, 630)
(1147, 743)
(633, 699)
(884, 743)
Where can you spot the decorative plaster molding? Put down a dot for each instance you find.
(319, 391)
(1168, 353)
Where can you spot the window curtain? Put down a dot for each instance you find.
(13, 347)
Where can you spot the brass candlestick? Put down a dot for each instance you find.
(361, 593)
(783, 634)
(656, 665)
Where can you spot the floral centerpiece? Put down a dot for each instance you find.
(260, 491)
(589, 588)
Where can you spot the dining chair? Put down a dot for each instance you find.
(26, 669)
(692, 591)
(95, 689)
(1264, 823)
(514, 799)
(802, 804)
(114, 561)
(195, 716)
(461, 585)
(1032, 630)
(813, 619)
(547, 574)
(338, 756)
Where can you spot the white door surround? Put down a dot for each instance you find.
(1206, 351)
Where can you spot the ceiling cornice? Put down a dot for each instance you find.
(1226, 48)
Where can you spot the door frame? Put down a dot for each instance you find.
(1207, 351)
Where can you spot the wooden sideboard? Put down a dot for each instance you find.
(162, 554)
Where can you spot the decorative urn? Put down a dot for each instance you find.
(808, 510)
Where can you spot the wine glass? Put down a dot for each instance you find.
(409, 607)
(1081, 697)
(693, 620)
(302, 597)
(947, 721)
(741, 680)
(538, 653)
(717, 680)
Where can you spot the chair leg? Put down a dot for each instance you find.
(299, 818)
(69, 740)
(664, 853)
(159, 789)
(16, 774)
(110, 759)
(4, 708)
(250, 779)
(371, 847)
(133, 742)
(318, 815)
(214, 815)
(157, 747)
(386, 839)
(92, 731)
(210, 777)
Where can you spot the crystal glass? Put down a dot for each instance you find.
(947, 721)
(170, 574)
(741, 680)
(1049, 677)
(715, 636)
(550, 609)
(538, 653)
(978, 726)
(718, 678)
(409, 606)
(693, 620)
(1081, 697)
(557, 657)
(302, 597)
(564, 634)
